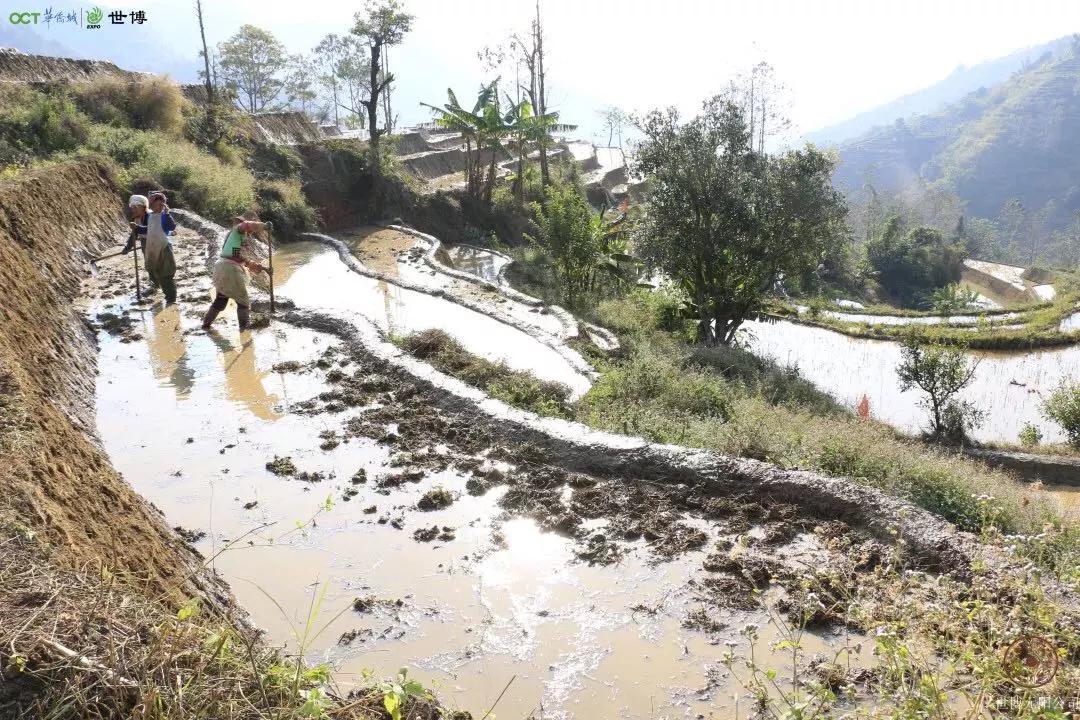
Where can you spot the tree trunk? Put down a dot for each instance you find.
(387, 115)
(206, 56)
(490, 182)
(372, 105)
(545, 172)
(519, 183)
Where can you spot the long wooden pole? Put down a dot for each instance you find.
(135, 254)
(270, 249)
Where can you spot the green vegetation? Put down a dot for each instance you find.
(514, 387)
(952, 299)
(940, 372)
(727, 222)
(995, 165)
(1063, 407)
(771, 414)
(140, 127)
(911, 265)
(1030, 435)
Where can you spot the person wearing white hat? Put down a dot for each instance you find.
(153, 229)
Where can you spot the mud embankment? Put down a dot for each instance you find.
(56, 480)
(19, 67)
(286, 128)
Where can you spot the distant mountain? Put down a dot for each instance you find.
(1018, 139)
(959, 83)
(139, 51)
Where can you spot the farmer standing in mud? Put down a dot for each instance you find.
(231, 270)
(153, 228)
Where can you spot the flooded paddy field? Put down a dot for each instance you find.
(1009, 386)
(302, 471)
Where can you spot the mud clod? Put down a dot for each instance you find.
(436, 499)
(699, 619)
(287, 366)
(190, 536)
(282, 466)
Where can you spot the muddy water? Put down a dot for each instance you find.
(318, 280)
(1009, 387)
(478, 261)
(191, 419)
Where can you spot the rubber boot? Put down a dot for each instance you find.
(243, 315)
(168, 286)
(210, 316)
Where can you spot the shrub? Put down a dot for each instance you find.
(283, 203)
(198, 180)
(940, 372)
(1030, 435)
(643, 309)
(275, 161)
(1063, 407)
(35, 125)
(152, 103)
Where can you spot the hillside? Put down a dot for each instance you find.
(957, 84)
(1014, 140)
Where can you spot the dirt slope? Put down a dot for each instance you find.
(55, 480)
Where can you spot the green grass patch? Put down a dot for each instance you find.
(514, 387)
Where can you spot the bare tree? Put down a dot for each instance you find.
(208, 78)
(764, 101)
(380, 26)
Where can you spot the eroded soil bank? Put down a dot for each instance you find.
(467, 545)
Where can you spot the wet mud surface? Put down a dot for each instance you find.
(297, 465)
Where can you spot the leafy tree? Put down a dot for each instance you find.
(727, 222)
(300, 82)
(343, 71)
(953, 298)
(1063, 407)
(588, 251)
(382, 24)
(940, 372)
(252, 61)
(910, 265)
(615, 120)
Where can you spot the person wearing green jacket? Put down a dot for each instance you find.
(231, 271)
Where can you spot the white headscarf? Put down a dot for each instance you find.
(138, 200)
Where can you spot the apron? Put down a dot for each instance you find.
(158, 252)
(231, 280)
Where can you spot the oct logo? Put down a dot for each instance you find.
(24, 18)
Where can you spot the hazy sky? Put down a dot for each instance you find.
(838, 57)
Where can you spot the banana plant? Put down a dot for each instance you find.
(528, 130)
(483, 129)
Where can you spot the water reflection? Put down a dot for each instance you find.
(478, 261)
(323, 282)
(243, 381)
(168, 353)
